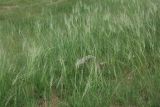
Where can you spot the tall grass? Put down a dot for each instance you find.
(39, 54)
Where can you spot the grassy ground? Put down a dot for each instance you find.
(40, 42)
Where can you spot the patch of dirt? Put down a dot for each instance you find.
(56, 2)
(52, 103)
(7, 7)
(122, 106)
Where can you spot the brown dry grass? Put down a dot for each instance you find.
(52, 103)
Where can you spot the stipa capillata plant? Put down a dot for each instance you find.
(90, 58)
(84, 60)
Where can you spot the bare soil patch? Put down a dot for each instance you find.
(7, 7)
(52, 103)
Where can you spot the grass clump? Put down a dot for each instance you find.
(38, 54)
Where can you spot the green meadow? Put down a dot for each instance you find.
(79, 53)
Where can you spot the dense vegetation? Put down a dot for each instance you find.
(41, 41)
